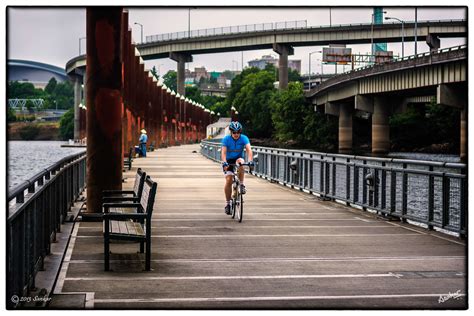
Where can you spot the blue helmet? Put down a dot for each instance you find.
(235, 126)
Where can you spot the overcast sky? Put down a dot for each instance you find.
(51, 35)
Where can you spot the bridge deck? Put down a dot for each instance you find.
(290, 251)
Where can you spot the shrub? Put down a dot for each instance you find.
(29, 132)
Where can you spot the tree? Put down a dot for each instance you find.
(236, 85)
(154, 73)
(11, 117)
(253, 103)
(51, 86)
(170, 80)
(289, 108)
(66, 125)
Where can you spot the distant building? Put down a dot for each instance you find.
(295, 64)
(34, 72)
(200, 72)
(261, 63)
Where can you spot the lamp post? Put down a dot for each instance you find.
(141, 31)
(403, 32)
(80, 38)
(309, 67)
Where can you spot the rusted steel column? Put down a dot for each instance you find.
(104, 126)
(345, 128)
(164, 118)
(77, 109)
(380, 127)
(463, 141)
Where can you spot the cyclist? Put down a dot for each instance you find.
(232, 152)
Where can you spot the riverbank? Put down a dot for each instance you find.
(33, 131)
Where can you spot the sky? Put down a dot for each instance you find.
(53, 35)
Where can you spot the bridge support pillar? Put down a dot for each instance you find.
(104, 104)
(380, 127)
(345, 128)
(77, 109)
(455, 95)
(283, 51)
(181, 59)
(433, 42)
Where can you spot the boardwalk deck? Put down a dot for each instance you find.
(290, 251)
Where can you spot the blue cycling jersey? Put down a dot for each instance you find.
(235, 148)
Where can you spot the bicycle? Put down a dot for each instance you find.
(237, 197)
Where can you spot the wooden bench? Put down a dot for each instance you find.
(151, 147)
(128, 159)
(134, 226)
(134, 195)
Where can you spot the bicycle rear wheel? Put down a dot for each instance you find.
(239, 207)
(232, 209)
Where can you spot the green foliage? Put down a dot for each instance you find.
(252, 102)
(11, 117)
(23, 90)
(228, 74)
(29, 132)
(289, 108)
(60, 95)
(66, 125)
(51, 86)
(320, 131)
(154, 73)
(236, 85)
(419, 126)
(170, 80)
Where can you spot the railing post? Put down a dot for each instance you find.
(445, 201)
(383, 187)
(404, 194)
(355, 193)
(348, 181)
(430, 199)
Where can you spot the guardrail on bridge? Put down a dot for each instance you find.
(34, 220)
(430, 193)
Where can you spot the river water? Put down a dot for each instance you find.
(27, 158)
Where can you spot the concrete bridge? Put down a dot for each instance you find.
(387, 88)
(282, 41)
(291, 251)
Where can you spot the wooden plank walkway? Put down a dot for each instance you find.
(291, 251)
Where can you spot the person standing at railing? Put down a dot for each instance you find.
(232, 153)
(140, 150)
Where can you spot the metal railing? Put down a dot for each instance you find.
(37, 208)
(422, 59)
(430, 193)
(261, 27)
(264, 27)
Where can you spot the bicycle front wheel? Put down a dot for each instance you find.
(239, 207)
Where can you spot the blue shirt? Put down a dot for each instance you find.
(143, 138)
(235, 148)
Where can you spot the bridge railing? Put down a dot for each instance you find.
(433, 194)
(227, 30)
(37, 208)
(422, 59)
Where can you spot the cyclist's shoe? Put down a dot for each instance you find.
(243, 190)
(227, 209)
